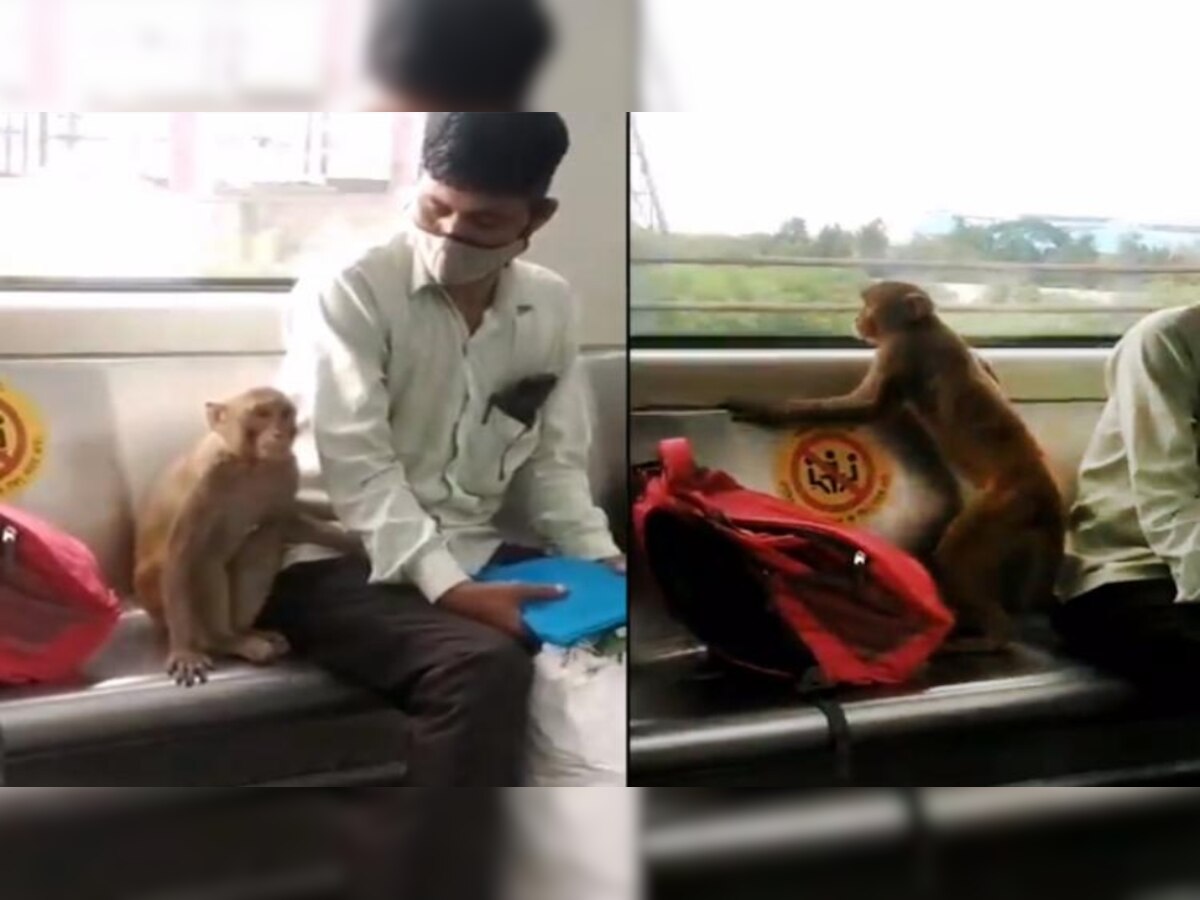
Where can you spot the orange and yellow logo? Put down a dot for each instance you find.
(840, 475)
(22, 441)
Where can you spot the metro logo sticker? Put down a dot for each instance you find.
(840, 475)
(22, 441)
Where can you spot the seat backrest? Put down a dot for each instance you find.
(111, 425)
(917, 499)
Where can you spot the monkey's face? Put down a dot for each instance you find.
(260, 424)
(866, 326)
(270, 428)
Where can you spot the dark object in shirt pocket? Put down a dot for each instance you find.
(523, 399)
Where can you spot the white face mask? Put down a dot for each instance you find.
(450, 262)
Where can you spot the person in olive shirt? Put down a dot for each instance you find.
(1131, 580)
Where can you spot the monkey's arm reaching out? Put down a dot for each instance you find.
(302, 528)
(875, 396)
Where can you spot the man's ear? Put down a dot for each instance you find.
(543, 212)
(215, 412)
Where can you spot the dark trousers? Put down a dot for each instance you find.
(1135, 630)
(465, 685)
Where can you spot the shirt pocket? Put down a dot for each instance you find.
(494, 451)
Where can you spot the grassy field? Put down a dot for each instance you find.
(800, 287)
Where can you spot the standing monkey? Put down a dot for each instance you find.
(211, 535)
(1001, 553)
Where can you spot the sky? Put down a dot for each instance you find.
(866, 108)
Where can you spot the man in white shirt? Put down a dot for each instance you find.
(1132, 574)
(456, 54)
(437, 377)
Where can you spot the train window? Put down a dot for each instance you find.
(195, 195)
(1036, 182)
(193, 54)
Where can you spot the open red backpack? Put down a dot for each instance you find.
(769, 588)
(55, 607)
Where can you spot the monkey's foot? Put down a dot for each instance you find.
(259, 647)
(189, 667)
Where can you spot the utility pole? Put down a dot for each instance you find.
(645, 206)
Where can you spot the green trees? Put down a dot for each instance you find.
(1106, 302)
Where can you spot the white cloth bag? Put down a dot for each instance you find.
(578, 719)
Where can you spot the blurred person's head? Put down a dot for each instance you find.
(457, 54)
(485, 189)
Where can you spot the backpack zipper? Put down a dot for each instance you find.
(31, 584)
(860, 573)
(8, 547)
(38, 620)
(10, 568)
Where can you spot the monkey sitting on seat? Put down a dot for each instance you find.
(1001, 553)
(210, 537)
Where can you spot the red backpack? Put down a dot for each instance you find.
(769, 588)
(55, 608)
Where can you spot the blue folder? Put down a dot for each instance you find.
(595, 603)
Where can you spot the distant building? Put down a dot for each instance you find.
(1106, 232)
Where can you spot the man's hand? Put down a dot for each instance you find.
(497, 604)
(616, 563)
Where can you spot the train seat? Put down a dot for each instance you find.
(110, 425)
(689, 721)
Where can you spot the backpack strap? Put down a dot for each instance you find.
(677, 461)
(816, 691)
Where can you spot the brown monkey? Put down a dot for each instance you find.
(211, 535)
(1013, 529)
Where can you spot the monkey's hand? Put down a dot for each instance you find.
(302, 528)
(756, 413)
(189, 667)
(498, 604)
(850, 408)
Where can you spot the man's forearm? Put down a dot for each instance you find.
(579, 528)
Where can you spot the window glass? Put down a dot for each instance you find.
(1031, 164)
(129, 195)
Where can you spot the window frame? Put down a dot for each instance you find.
(22, 284)
(893, 268)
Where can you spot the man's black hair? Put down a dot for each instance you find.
(466, 54)
(495, 153)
